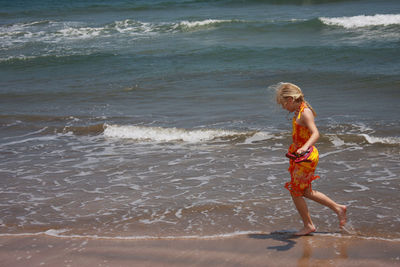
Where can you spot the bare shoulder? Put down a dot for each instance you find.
(307, 117)
(308, 114)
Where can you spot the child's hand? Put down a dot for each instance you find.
(301, 151)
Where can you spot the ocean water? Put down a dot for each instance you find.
(156, 119)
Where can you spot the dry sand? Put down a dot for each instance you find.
(269, 249)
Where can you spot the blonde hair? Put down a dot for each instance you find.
(286, 90)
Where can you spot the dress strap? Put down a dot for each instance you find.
(302, 107)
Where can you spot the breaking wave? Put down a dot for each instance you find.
(160, 134)
(49, 38)
(55, 31)
(48, 31)
(362, 21)
(381, 140)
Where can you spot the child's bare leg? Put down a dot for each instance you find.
(321, 198)
(302, 208)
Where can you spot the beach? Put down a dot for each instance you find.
(147, 132)
(262, 249)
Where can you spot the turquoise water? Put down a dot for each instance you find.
(143, 118)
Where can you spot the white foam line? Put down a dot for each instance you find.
(259, 136)
(330, 153)
(193, 24)
(363, 21)
(382, 140)
(28, 134)
(339, 151)
(359, 237)
(57, 234)
(44, 138)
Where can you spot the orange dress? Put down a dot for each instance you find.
(302, 174)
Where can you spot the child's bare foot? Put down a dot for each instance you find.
(306, 231)
(342, 216)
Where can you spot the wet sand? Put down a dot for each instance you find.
(266, 249)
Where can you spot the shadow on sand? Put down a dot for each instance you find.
(283, 236)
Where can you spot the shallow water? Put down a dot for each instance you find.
(135, 120)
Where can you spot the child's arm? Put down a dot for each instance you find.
(307, 119)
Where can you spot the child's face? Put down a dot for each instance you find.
(289, 104)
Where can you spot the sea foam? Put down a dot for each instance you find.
(55, 31)
(160, 134)
(383, 140)
(362, 21)
(59, 233)
(191, 25)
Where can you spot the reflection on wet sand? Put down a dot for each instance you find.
(312, 251)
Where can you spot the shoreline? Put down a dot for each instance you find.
(58, 233)
(255, 249)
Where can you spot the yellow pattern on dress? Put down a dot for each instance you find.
(302, 174)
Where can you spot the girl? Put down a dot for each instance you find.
(304, 156)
